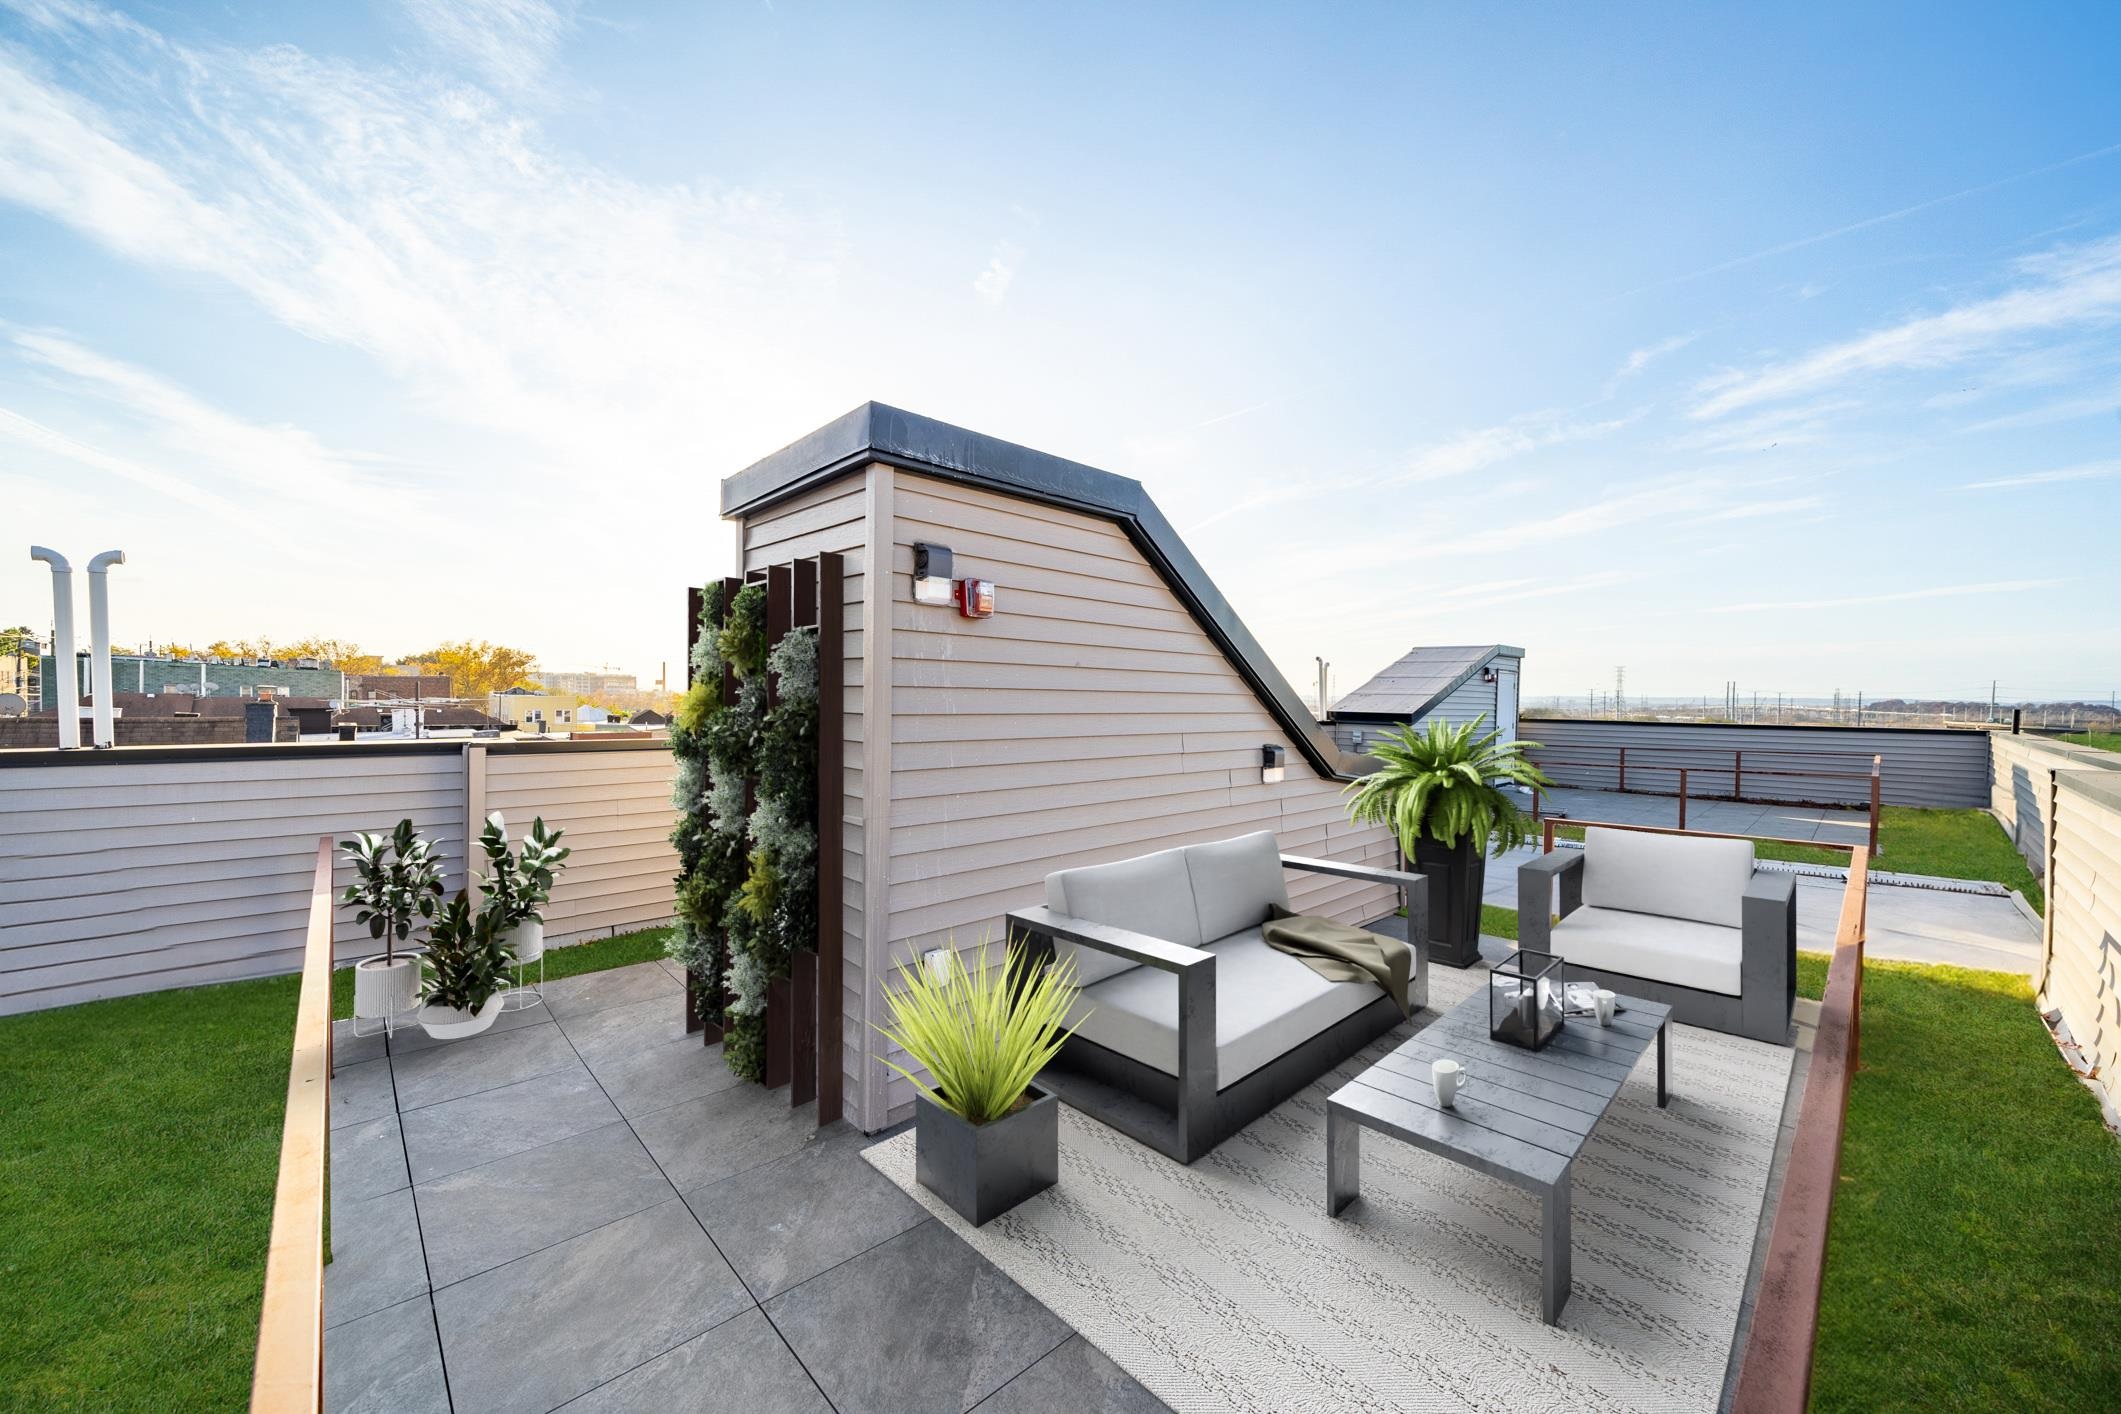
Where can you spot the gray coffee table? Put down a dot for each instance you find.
(1521, 1116)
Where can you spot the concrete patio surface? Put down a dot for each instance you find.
(583, 1208)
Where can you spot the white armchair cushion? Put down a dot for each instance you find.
(1152, 894)
(1685, 953)
(1669, 875)
(1236, 882)
(1266, 1004)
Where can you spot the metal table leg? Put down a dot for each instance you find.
(1664, 1067)
(1555, 1245)
(1343, 1160)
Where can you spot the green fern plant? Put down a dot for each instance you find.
(1446, 786)
(983, 1033)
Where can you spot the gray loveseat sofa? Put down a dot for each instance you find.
(1189, 1026)
(1684, 920)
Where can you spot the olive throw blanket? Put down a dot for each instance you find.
(1339, 953)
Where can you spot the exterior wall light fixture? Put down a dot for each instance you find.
(1272, 761)
(932, 582)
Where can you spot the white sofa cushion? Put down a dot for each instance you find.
(1680, 951)
(1236, 882)
(1150, 894)
(1699, 879)
(1266, 1004)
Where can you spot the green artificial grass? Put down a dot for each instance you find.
(1498, 922)
(620, 950)
(1947, 844)
(1974, 1261)
(2105, 741)
(139, 1145)
(139, 1148)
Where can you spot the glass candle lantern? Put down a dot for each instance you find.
(1525, 999)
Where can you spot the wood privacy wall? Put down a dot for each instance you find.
(2022, 787)
(134, 871)
(2082, 946)
(2061, 805)
(1090, 719)
(1923, 767)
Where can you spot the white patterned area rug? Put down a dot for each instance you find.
(1224, 1286)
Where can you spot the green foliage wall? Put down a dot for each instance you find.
(747, 841)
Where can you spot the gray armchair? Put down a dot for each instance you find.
(1687, 921)
(1189, 1026)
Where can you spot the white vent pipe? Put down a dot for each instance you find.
(66, 690)
(99, 643)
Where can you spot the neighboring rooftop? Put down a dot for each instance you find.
(1409, 688)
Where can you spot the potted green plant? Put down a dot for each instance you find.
(518, 885)
(397, 883)
(466, 971)
(1442, 795)
(985, 1137)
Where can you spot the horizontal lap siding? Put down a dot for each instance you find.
(2083, 975)
(616, 811)
(138, 876)
(833, 518)
(1934, 769)
(1091, 719)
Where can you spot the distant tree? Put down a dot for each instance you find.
(346, 657)
(475, 669)
(13, 641)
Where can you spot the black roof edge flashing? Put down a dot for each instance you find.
(875, 432)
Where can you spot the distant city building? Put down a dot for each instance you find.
(19, 671)
(588, 684)
(533, 711)
(202, 677)
(389, 687)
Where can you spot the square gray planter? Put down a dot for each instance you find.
(984, 1170)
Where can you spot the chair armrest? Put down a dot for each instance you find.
(1104, 937)
(1767, 962)
(1535, 895)
(1369, 873)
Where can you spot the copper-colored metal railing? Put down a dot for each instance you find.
(1872, 776)
(289, 1373)
(1775, 1372)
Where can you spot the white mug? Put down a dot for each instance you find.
(1605, 1007)
(1449, 1077)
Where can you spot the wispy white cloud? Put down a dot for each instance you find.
(992, 284)
(2089, 471)
(1643, 357)
(509, 42)
(1883, 218)
(1775, 427)
(1756, 510)
(37, 437)
(2070, 288)
(282, 463)
(1483, 447)
(2103, 402)
(507, 285)
(1901, 596)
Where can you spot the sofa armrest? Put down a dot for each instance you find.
(1767, 968)
(1195, 969)
(1535, 895)
(1413, 898)
(1043, 922)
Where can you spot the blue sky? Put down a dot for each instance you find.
(1782, 347)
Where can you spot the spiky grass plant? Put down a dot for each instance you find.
(1446, 786)
(982, 1032)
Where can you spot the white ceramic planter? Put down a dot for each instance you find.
(448, 1023)
(385, 987)
(527, 941)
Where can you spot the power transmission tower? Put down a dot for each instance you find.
(1620, 692)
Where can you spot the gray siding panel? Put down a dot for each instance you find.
(140, 874)
(1922, 768)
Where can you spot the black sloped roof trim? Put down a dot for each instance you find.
(875, 432)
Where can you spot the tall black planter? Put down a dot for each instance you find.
(1457, 874)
